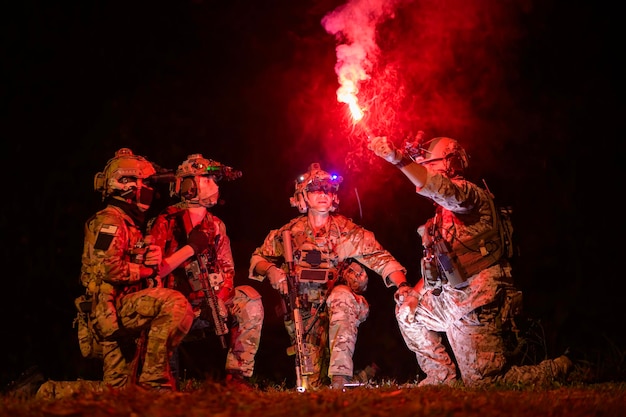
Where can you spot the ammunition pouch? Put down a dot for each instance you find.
(310, 292)
(487, 248)
(88, 339)
(449, 266)
(480, 252)
(313, 283)
(430, 273)
(317, 276)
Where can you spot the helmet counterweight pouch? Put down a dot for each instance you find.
(188, 188)
(99, 181)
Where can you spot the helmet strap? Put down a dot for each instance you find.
(130, 209)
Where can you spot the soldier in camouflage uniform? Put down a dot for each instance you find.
(329, 256)
(466, 290)
(120, 273)
(240, 308)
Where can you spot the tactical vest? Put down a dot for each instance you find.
(489, 247)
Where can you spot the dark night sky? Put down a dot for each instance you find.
(529, 87)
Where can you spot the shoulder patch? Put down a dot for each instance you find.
(105, 236)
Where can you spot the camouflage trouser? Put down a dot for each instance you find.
(54, 390)
(247, 309)
(334, 331)
(472, 319)
(166, 316)
(469, 318)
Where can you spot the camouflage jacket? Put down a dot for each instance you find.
(169, 232)
(110, 235)
(466, 218)
(340, 241)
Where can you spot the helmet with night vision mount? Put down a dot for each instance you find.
(315, 179)
(126, 176)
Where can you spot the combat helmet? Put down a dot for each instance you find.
(446, 150)
(126, 176)
(197, 177)
(315, 179)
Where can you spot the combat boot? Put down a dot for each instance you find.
(27, 384)
(237, 381)
(561, 367)
(339, 381)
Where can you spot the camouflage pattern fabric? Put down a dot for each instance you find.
(243, 302)
(475, 339)
(346, 311)
(123, 310)
(166, 316)
(168, 231)
(332, 338)
(108, 269)
(471, 316)
(54, 390)
(332, 335)
(247, 309)
(88, 339)
(342, 240)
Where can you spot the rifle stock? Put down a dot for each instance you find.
(304, 364)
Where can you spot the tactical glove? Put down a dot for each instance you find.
(385, 149)
(226, 294)
(278, 279)
(405, 312)
(153, 256)
(401, 293)
(152, 260)
(198, 240)
(407, 299)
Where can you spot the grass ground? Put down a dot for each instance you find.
(385, 399)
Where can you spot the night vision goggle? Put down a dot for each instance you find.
(216, 170)
(418, 148)
(325, 186)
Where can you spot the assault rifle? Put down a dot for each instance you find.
(200, 277)
(203, 274)
(304, 362)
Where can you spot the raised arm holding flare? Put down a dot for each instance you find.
(466, 291)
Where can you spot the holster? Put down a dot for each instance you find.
(88, 339)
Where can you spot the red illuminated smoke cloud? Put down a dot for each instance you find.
(354, 26)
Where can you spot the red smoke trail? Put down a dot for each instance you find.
(354, 26)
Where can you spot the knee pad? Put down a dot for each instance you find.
(340, 292)
(247, 291)
(343, 294)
